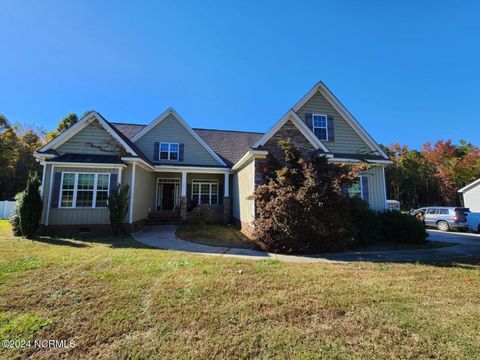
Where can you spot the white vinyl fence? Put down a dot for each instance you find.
(6, 209)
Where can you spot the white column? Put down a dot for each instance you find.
(226, 186)
(43, 179)
(52, 174)
(184, 184)
(119, 180)
(132, 195)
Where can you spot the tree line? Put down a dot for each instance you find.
(430, 176)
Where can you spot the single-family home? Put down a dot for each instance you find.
(171, 168)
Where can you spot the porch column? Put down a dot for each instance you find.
(183, 197)
(226, 198)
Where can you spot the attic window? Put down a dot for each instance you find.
(320, 126)
(169, 151)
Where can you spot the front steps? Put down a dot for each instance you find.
(163, 217)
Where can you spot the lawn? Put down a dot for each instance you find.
(117, 300)
(216, 235)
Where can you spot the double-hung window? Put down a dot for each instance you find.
(169, 151)
(84, 190)
(320, 126)
(205, 192)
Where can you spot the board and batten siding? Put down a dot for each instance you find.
(243, 186)
(171, 130)
(74, 216)
(346, 140)
(94, 140)
(145, 192)
(376, 188)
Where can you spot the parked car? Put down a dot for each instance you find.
(443, 218)
(393, 205)
(473, 221)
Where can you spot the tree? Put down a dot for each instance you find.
(30, 207)
(8, 156)
(118, 206)
(302, 209)
(64, 124)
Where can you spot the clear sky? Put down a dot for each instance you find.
(408, 70)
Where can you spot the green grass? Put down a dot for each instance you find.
(216, 235)
(119, 300)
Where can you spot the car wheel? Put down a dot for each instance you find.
(443, 226)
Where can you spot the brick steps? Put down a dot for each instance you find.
(163, 217)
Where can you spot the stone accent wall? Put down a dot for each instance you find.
(183, 208)
(226, 210)
(289, 131)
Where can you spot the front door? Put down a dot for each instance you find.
(168, 196)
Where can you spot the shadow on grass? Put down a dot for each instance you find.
(117, 242)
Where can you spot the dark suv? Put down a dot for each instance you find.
(444, 218)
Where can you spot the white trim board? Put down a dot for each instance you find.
(293, 117)
(342, 110)
(163, 116)
(80, 125)
(469, 186)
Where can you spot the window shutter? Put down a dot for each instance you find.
(365, 188)
(113, 182)
(180, 152)
(330, 128)
(309, 120)
(57, 179)
(156, 151)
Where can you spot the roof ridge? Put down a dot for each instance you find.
(120, 123)
(241, 131)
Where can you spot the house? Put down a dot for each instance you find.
(171, 168)
(470, 196)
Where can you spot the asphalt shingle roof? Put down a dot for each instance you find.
(228, 144)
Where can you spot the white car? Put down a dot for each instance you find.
(473, 221)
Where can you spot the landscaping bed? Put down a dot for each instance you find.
(216, 235)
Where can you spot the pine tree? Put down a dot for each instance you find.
(30, 207)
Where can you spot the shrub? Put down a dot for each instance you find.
(15, 218)
(366, 221)
(301, 209)
(202, 215)
(401, 228)
(118, 206)
(28, 210)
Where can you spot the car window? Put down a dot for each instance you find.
(443, 211)
(431, 211)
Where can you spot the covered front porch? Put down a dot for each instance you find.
(167, 195)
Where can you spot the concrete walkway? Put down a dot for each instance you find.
(466, 245)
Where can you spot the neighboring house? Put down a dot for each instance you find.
(172, 168)
(470, 195)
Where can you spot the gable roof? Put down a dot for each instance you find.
(80, 125)
(293, 117)
(129, 130)
(229, 144)
(163, 116)
(469, 186)
(332, 99)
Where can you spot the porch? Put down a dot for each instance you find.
(173, 195)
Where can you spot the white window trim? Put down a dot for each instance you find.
(75, 190)
(320, 127)
(201, 182)
(169, 152)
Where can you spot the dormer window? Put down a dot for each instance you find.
(169, 151)
(320, 126)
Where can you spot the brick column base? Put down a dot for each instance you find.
(183, 208)
(226, 210)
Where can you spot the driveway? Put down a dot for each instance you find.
(466, 245)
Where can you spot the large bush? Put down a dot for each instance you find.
(301, 208)
(366, 222)
(401, 228)
(28, 210)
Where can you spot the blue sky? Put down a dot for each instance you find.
(408, 70)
